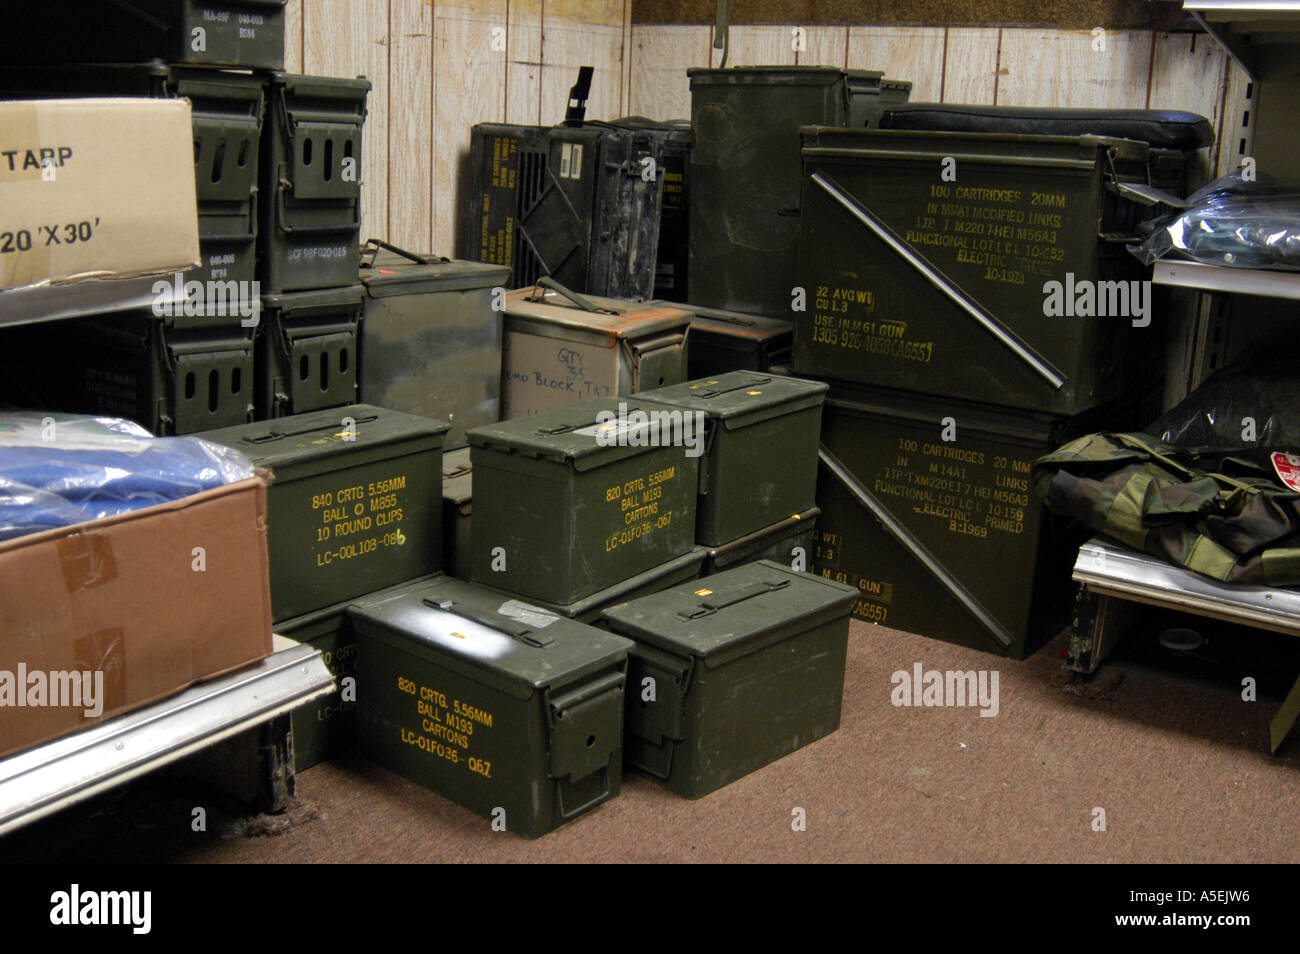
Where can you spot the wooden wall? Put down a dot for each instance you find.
(440, 66)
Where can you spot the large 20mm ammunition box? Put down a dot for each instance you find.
(574, 500)
(247, 33)
(760, 465)
(513, 713)
(561, 348)
(944, 286)
(356, 504)
(307, 351)
(311, 182)
(580, 204)
(430, 338)
(927, 510)
(731, 672)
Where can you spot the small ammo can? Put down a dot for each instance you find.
(356, 504)
(760, 461)
(457, 512)
(227, 107)
(243, 33)
(788, 542)
(589, 608)
(723, 341)
(311, 182)
(307, 351)
(169, 380)
(510, 711)
(871, 93)
(562, 347)
(575, 500)
(430, 338)
(731, 672)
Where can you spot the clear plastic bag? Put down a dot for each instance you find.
(1232, 221)
(60, 469)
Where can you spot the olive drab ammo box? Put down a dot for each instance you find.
(356, 504)
(311, 182)
(731, 672)
(561, 347)
(575, 500)
(502, 707)
(760, 460)
(723, 341)
(788, 542)
(431, 338)
(307, 351)
(457, 511)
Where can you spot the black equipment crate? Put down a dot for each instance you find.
(745, 171)
(245, 33)
(589, 608)
(311, 175)
(356, 504)
(943, 537)
(788, 542)
(170, 381)
(731, 672)
(457, 511)
(723, 341)
(942, 287)
(569, 202)
(567, 506)
(513, 714)
(227, 110)
(307, 351)
(672, 254)
(759, 464)
(561, 347)
(430, 338)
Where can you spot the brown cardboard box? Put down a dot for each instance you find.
(96, 189)
(155, 600)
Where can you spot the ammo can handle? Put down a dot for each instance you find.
(710, 606)
(547, 282)
(413, 256)
(714, 392)
(517, 631)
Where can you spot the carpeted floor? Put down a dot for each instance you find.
(1164, 744)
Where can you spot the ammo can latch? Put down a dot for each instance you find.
(581, 743)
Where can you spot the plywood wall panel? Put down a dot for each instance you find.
(293, 36)
(660, 57)
(524, 62)
(411, 135)
(758, 46)
(567, 45)
(909, 53)
(1065, 68)
(824, 46)
(970, 66)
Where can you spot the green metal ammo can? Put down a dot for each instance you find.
(457, 511)
(788, 542)
(514, 713)
(731, 672)
(561, 348)
(307, 351)
(723, 341)
(871, 93)
(430, 338)
(943, 537)
(244, 33)
(760, 461)
(745, 174)
(575, 500)
(589, 608)
(311, 182)
(1009, 285)
(356, 504)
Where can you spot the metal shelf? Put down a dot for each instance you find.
(1222, 279)
(40, 781)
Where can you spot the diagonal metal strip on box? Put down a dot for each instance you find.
(514, 714)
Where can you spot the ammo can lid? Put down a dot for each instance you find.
(588, 435)
(392, 274)
(731, 614)
(546, 312)
(305, 444)
(487, 636)
(735, 323)
(457, 477)
(347, 296)
(766, 75)
(320, 87)
(741, 397)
